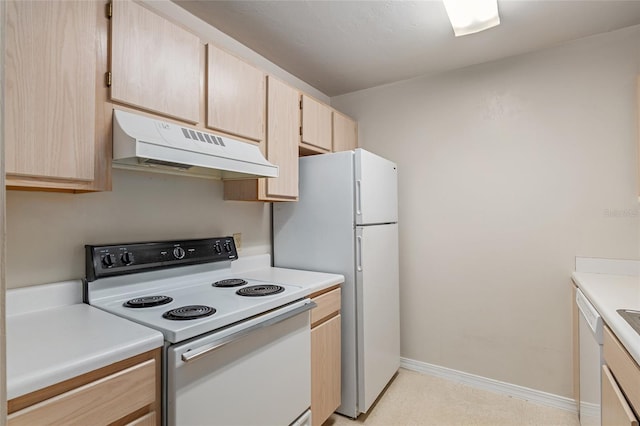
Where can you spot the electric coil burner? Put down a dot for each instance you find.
(260, 290)
(189, 312)
(147, 301)
(231, 282)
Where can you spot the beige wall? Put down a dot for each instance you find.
(46, 232)
(507, 171)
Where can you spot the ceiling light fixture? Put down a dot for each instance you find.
(472, 16)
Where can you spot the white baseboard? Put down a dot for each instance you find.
(496, 386)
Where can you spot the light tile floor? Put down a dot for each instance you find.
(414, 398)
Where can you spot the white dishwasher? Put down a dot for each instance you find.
(591, 360)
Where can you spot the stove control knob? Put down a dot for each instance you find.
(127, 258)
(178, 252)
(227, 246)
(108, 260)
(217, 248)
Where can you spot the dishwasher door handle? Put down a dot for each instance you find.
(205, 349)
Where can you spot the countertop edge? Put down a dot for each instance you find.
(139, 340)
(38, 377)
(31, 383)
(620, 328)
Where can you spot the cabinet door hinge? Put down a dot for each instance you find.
(300, 103)
(109, 10)
(300, 130)
(107, 78)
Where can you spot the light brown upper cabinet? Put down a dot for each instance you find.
(155, 64)
(316, 127)
(235, 95)
(55, 132)
(345, 132)
(280, 148)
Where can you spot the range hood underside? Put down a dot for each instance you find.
(146, 144)
(147, 159)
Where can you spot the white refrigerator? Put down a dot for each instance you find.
(346, 222)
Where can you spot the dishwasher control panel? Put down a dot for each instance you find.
(590, 314)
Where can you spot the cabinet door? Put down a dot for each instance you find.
(345, 133)
(155, 64)
(282, 139)
(236, 95)
(316, 124)
(325, 370)
(149, 419)
(50, 92)
(622, 366)
(100, 402)
(615, 409)
(280, 148)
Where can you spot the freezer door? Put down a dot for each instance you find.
(378, 303)
(376, 189)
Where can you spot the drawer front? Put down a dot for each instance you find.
(328, 305)
(100, 402)
(615, 410)
(623, 367)
(146, 420)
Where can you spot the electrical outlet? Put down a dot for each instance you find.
(237, 240)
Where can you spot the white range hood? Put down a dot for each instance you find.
(140, 142)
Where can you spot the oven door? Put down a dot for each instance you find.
(257, 372)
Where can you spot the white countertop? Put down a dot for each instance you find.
(56, 343)
(609, 293)
(310, 281)
(52, 336)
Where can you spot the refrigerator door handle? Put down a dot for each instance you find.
(359, 253)
(358, 197)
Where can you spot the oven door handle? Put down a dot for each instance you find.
(205, 349)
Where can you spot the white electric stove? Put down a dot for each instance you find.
(227, 338)
(192, 294)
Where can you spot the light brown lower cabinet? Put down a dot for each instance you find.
(325, 356)
(623, 367)
(123, 393)
(147, 420)
(615, 409)
(620, 384)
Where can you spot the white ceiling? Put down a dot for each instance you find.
(343, 46)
